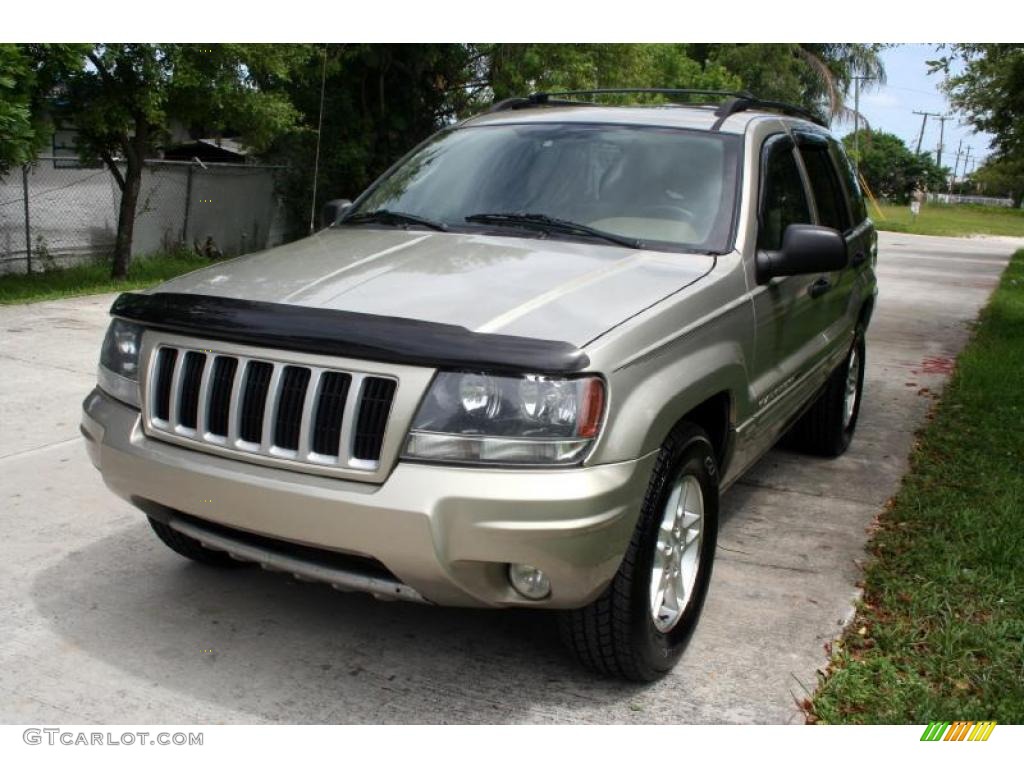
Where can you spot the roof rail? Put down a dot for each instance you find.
(736, 101)
(556, 98)
(744, 103)
(655, 91)
(534, 100)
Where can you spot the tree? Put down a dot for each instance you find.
(379, 101)
(990, 91)
(18, 136)
(1001, 176)
(890, 168)
(814, 75)
(817, 76)
(515, 69)
(123, 99)
(26, 76)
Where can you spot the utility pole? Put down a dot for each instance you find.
(966, 159)
(924, 121)
(942, 136)
(856, 119)
(956, 166)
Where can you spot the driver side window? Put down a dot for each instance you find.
(783, 199)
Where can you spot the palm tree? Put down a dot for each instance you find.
(832, 67)
(818, 76)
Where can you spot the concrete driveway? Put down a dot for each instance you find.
(103, 624)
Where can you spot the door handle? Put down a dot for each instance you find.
(858, 258)
(820, 286)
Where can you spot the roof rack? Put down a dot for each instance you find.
(736, 101)
(556, 98)
(744, 103)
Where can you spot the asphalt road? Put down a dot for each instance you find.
(102, 624)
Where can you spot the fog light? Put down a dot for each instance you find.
(530, 582)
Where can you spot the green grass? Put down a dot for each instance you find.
(950, 220)
(95, 278)
(939, 634)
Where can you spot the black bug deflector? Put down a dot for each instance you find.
(347, 334)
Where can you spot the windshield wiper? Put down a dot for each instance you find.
(384, 216)
(551, 224)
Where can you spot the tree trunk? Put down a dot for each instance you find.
(135, 152)
(126, 220)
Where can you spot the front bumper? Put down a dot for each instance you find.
(448, 533)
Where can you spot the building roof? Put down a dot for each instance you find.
(209, 150)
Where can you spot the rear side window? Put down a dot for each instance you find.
(828, 193)
(849, 178)
(783, 200)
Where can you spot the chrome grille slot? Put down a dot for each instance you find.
(191, 378)
(254, 401)
(267, 411)
(218, 403)
(374, 408)
(329, 410)
(165, 362)
(289, 407)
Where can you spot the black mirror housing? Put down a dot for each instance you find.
(333, 210)
(806, 249)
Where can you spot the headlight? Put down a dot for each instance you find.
(119, 361)
(476, 418)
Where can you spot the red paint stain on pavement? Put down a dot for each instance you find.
(938, 365)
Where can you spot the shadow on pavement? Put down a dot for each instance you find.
(275, 649)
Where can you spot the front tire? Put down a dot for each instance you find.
(640, 626)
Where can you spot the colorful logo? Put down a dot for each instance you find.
(961, 730)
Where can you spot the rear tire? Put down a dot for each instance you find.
(828, 426)
(188, 547)
(619, 634)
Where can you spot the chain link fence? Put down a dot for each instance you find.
(55, 213)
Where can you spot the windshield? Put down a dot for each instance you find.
(670, 188)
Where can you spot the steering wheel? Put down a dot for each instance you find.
(675, 211)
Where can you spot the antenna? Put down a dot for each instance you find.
(319, 132)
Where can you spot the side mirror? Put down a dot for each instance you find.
(332, 211)
(806, 249)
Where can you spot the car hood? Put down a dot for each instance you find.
(540, 288)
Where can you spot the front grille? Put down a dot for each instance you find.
(267, 408)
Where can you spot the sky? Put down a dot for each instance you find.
(910, 88)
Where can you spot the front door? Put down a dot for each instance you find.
(790, 316)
